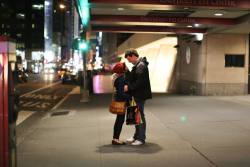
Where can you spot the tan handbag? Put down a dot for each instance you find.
(117, 107)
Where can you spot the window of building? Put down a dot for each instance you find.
(33, 16)
(19, 35)
(37, 6)
(20, 16)
(234, 60)
(20, 45)
(5, 15)
(6, 34)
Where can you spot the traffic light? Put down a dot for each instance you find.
(80, 44)
(83, 45)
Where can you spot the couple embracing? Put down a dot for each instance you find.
(127, 84)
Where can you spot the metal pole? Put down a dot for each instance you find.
(84, 90)
(62, 33)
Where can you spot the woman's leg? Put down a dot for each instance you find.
(118, 125)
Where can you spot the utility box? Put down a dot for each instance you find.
(7, 122)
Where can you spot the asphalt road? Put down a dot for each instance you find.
(40, 95)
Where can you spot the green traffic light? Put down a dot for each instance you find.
(80, 44)
(83, 45)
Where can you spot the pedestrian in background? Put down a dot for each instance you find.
(138, 86)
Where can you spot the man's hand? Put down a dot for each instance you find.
(125, 88)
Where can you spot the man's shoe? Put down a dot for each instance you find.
(137, 143)
(130, 140)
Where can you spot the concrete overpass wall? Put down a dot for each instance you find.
(197, 67)
(139, 40)
(161, 55)
(206, 74)
(223, 80)
(191, 65)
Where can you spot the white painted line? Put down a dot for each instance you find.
(50, 85)
(23, 115)
(74, 91)
(60, 102)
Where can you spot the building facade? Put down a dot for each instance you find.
(24, 21)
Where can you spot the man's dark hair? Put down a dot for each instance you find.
(131, 52)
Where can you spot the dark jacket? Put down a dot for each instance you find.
(138, 81)
(119, 94)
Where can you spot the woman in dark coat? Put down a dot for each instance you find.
(119, 95)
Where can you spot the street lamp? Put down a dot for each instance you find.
(84, 12)
(62, 8)
(82, 45)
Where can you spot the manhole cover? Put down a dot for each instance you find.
(59, 113)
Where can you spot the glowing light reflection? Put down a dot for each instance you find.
(183, 119)
(48, 77)
(102, 84)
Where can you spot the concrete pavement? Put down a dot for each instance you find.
(182, 131)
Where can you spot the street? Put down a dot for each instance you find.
(40, 95)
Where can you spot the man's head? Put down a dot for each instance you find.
(131, 55)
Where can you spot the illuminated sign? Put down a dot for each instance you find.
(83, 9)
(1, 67)
(185, 20)
(244, 4)
(215, 3)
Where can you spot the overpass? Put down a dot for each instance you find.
(199, 47)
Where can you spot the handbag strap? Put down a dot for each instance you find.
(133, 103)
(113, 94)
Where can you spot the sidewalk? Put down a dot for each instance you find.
(182, 131)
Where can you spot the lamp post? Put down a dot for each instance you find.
(84, 48)
(84, 13)
(62, 8)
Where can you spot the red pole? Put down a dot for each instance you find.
(1, 111)
(4, 124)
(6, 112)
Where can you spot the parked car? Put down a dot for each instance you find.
(61, 72)
(69, 76)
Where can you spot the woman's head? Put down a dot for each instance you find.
(119, 68)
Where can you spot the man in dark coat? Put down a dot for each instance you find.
(139, 87)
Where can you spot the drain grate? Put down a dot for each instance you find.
(60, 113)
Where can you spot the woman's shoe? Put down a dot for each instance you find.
(117, 142)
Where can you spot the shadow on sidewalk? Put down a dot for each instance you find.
(148, 148)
